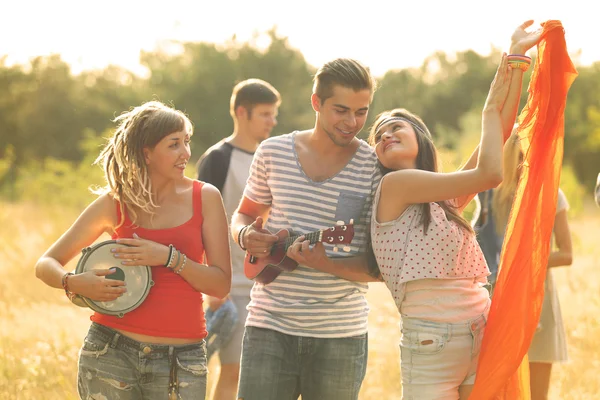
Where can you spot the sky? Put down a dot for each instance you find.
(383, 34)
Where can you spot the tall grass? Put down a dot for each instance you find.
(40, 331)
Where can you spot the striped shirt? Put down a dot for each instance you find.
(307, 302)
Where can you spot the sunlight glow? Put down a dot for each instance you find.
(384, 35)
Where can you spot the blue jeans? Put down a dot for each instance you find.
(113, 366)
(276, 366)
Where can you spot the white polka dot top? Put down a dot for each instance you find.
(405, 254)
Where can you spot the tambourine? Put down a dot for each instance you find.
(139, 280)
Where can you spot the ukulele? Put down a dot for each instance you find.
(265, 269)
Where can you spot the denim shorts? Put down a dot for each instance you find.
(113, 366)
(277, 366)
(437, 358)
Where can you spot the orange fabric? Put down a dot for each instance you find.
(172, 308)
(503, 371)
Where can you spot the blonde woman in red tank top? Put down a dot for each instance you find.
(173, 224)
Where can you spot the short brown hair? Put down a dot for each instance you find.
(345, 72)
(251, 92)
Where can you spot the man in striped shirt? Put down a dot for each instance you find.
(253, 106)
(306, 332)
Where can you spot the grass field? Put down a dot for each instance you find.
(40, 331)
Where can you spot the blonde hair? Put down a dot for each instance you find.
(123, 160)
(505, 192)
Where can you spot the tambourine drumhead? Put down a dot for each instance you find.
(138, 279)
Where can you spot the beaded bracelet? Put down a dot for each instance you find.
(182, 265)
(169, 257)
(176, 263)
(65, 285)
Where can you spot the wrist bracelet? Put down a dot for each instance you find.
(176, 264)
(65, 285)
(518, 56)
(240, 237)
(518, 61)
(172, 258)
(524, 66)
(182, 265)
(169, 257)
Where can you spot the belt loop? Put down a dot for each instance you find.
(115, 340)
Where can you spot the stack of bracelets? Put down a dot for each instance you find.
(519, 61)
(173, 263)
(241, 237)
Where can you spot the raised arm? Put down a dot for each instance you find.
(413, 186)
(521, 42)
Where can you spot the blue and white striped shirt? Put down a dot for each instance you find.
(307, 302)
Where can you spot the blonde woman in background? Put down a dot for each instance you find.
(549, 343)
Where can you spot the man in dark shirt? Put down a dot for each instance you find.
(253, 107)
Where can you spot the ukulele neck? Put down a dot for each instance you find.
(312, 237)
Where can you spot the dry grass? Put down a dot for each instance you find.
(40, 331)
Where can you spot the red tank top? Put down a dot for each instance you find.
(172, 308)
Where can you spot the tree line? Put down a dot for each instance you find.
(48, 113)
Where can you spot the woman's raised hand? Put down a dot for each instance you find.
(521, 40)
(499, 87)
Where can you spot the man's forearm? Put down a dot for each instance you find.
(238, 221)
(354, 269)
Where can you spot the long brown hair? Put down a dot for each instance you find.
(123, 160)
(426, 160)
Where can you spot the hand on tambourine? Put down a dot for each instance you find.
(304, 253)
(94, 285)
(140, 252)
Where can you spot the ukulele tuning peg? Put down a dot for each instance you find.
(352, 221)
(340, 223)
(335, 249)
(346, 249)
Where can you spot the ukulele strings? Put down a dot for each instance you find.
(312, 237)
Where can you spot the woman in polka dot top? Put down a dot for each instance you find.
(425, 250)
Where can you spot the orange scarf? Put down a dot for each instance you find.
(503, 371)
